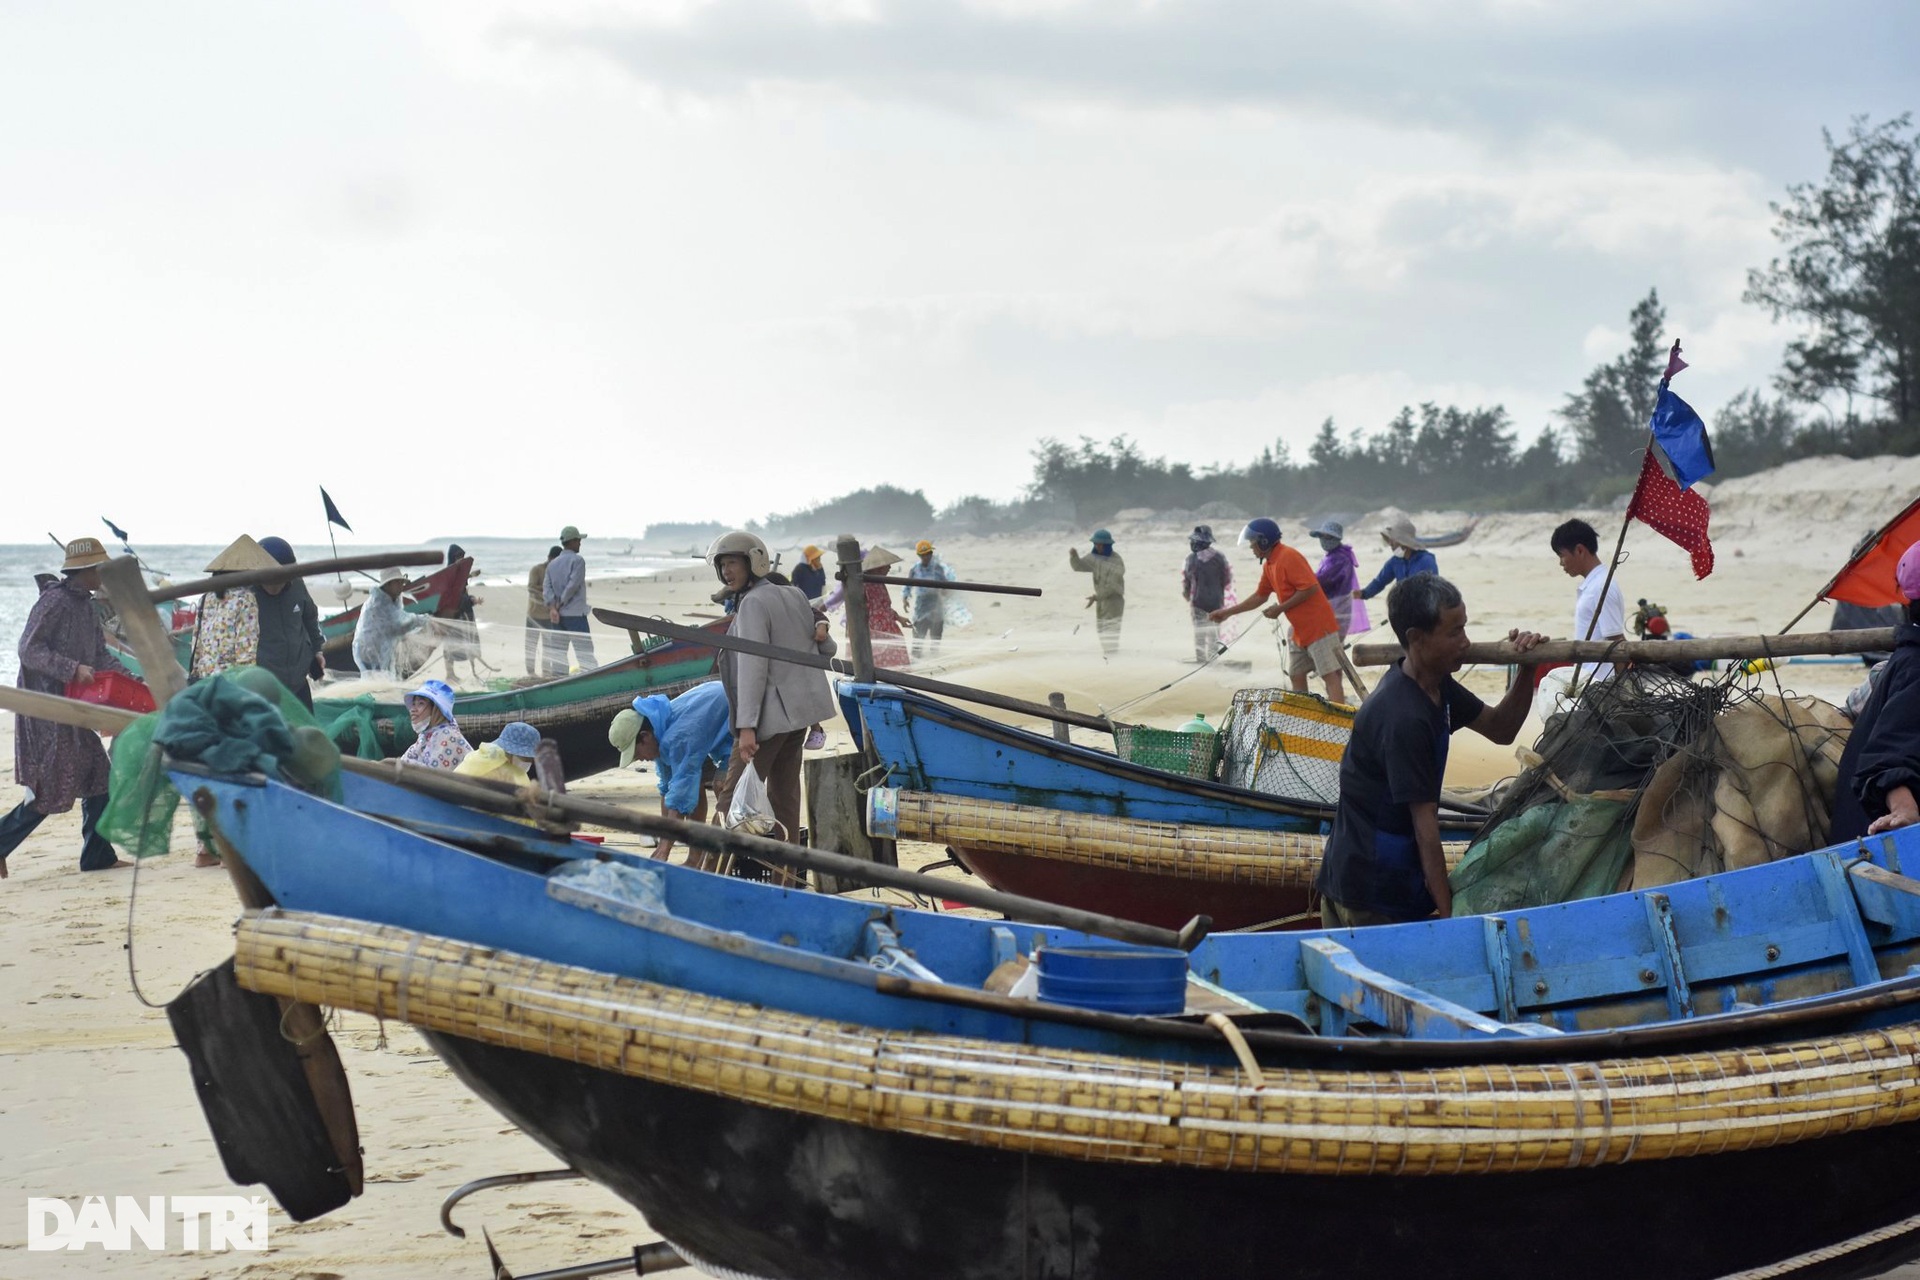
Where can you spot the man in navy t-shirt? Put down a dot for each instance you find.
(1383, 861)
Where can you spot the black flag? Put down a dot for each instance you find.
(333, 512)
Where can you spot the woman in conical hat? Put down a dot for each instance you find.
(227, 633)
(883, 620)
(1408, 559)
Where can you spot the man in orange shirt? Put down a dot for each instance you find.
(1289, 581)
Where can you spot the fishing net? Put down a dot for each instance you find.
(240, 721)
(1286, 744)
(371, 730)
(1648, 779)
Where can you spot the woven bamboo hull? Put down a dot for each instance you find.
(1168, 900)
(778, 1144)
(1158, 872)
(774, 1194)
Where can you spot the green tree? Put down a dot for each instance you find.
(1607, 417)
(1852, 273)
(1752, 433)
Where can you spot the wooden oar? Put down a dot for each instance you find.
(1500, 653)
(133, 602)
(905, 679)
(545, 804)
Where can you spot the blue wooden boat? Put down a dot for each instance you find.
(1718, 1076)
(931, 746)
(1689, 954)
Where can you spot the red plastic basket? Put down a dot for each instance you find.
(111, 689)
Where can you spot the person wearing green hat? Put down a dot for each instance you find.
(1109, 598)
(689, 739)
(565, 591)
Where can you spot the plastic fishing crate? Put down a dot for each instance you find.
(1197, 755)
(1287, 744)
(111, 689)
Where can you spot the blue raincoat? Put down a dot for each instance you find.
(692, 729)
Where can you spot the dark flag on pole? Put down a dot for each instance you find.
(118, 532)
(333, 512)
(1678, 456)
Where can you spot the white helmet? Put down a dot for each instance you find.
(741, 543)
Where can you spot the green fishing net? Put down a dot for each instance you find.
(371, 730)
(240, 721)
(1564, 829)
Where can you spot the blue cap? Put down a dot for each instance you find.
(278, 549)
(519, 739)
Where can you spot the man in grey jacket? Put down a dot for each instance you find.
(565, 589)
(773, 703)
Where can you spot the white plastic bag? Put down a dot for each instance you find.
(752, 810)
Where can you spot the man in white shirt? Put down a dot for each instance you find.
(1578, 547)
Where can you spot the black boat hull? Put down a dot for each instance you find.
(786, 1196)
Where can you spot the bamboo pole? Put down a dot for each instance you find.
(288, 572)
(544, 804)
(905, 679)
(927, 584)
(1501, 653)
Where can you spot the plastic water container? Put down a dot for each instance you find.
(111, 689)
(1116, 978)
(1198, 724)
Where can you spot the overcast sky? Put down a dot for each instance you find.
(485, 267)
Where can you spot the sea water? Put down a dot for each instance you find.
(498, 562)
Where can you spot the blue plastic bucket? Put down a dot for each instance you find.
(1117, 979)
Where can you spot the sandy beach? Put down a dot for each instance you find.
(95, 1099)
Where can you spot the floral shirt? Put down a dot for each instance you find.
(441, 747)
(227, 633)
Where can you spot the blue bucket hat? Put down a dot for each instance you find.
(439, 693)
(1101, 538)
(519, 739)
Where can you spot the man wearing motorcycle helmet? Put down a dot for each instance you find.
(1289, 582)
(772, 703)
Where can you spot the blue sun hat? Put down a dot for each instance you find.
(519, 739)
(440, 694)
(1101, 538)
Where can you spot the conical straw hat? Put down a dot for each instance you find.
(242, 554)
